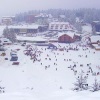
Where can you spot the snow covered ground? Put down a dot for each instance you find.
(87, 28)
(51, 77)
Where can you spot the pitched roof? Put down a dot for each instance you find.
(69, 33)
(95, 38)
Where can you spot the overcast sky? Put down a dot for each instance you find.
(11, 7)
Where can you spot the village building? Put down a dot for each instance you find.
(30, 18)
(96, 27)
(37, 39)
(8, 20)
(94, 39)
(60, 26)
(95, 42)
(28, 29)
(68, 37)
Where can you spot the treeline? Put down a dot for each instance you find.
(87, 15)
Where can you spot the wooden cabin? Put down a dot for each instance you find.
(68, 37)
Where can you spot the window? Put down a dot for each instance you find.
(5, 41)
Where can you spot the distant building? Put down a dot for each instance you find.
(24, 29)
(95, 42)
(42, 15)
(30, 18)
(95, 39)
(53, 20)
(8, 20)
(28, 29)
(96, 27)
(60, 26)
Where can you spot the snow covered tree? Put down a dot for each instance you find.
(9, 33)
(96, 86)
(81, 83)
(6, 32)
(12, 36)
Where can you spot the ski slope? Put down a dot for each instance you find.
(50, 78)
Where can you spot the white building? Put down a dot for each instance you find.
(60, 26)
(7, 20)
(95, 42)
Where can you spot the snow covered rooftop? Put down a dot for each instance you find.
(8, 16)
(59, 23)
(69, 33)
(95, 38)
(96, 46)
(31, 38)
(96, 21)
(98, 33)
(33, 26)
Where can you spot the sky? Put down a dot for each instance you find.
(12, 7)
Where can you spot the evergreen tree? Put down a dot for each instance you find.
(6, 32)
(88, 15)
(81, 83)
(9, 33)
(96, 86)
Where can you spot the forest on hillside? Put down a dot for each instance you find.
(86, 14)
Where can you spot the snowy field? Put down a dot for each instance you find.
(52, 76)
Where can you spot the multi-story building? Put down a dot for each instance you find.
(60, 26)
(8, 20)
(28, 29)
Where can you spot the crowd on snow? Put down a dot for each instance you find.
(35, 55)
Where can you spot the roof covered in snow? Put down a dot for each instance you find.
(59, 23)
(69, 33)
(33, 26)
(21, 38)
(95, 38)
(98, 33)
(96, 46)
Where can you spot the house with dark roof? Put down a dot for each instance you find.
(60, 26)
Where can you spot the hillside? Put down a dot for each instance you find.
(51, 77)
